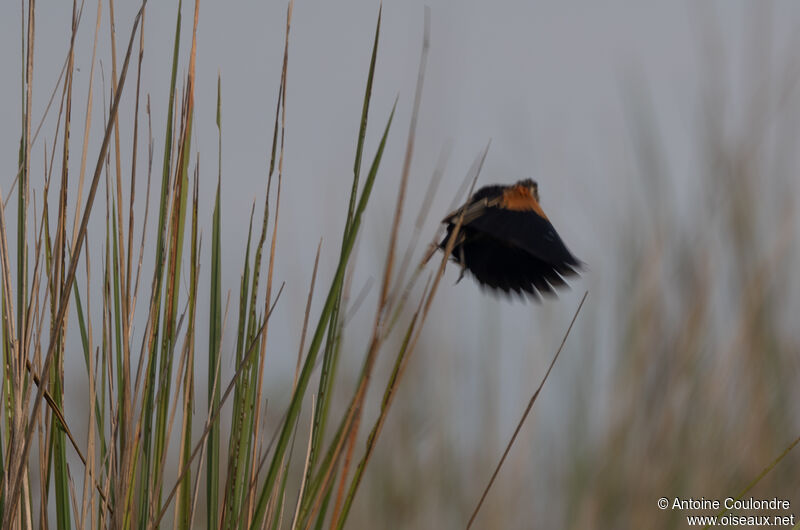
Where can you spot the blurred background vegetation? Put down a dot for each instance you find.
(663, 140)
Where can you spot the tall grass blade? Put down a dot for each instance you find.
(184, 496)
(345, 510)
(329, 364)
(230, 514)
(214, 339)
(17, 466)
(308, 366)
(148, 458)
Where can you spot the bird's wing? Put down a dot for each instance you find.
(528, 230)
(514, 216)
(470, 211)
(476, 204)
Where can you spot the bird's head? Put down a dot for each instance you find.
(532, 186)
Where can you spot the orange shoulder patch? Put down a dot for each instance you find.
(519, 198)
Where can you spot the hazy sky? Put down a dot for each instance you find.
(548, 83)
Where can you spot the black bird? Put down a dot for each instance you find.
(507, 242)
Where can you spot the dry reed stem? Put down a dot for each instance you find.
(422, 216)
(406, 354)
(15, 469)
(305, 467)
(209, 410)
(249, 355)
(270, 268)
(525, 414)
(378, 332)
(87, 125)
(305, 317)
(76, 24)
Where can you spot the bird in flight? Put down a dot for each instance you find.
(507, 242)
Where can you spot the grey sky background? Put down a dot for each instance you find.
(552, 84)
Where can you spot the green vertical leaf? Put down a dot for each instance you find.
(308, 366)
(214, 342)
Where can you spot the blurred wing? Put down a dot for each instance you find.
(527, 230)
(479, 201)
(471, 212)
